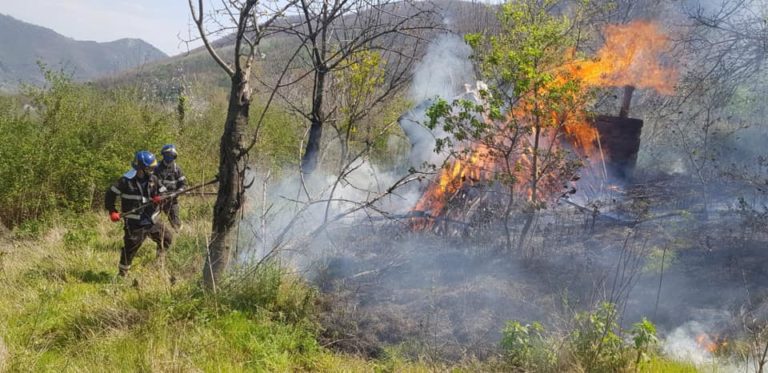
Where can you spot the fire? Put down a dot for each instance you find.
(631, 55)
(451, 179)
(712, 344)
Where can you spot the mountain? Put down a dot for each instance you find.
(24, 45)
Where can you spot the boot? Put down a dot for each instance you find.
(122, 270)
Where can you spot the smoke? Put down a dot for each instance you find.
(305, 205)
(695, 341)
(285, 213)
(715, 7)
(681, 344)
(443, 72)
(691, 342)
(444, 69)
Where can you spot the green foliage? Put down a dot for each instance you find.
(279, 138)
(644, 339)
(659, 258)
(182, 106)
(525, 346)
(367, 108)
(595, 340)
(659, 364)
(69, 312)
(593, 344)
(531, 43)
(65, 151)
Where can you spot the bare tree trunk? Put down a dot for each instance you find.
(534, 201)
(529, 217)
(232, 165)
(311, 153)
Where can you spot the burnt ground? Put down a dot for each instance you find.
(447, 296)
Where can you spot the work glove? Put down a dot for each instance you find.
(157, 199)
(114, 216)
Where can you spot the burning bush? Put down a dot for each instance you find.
(527, 132)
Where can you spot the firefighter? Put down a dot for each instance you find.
(173, 179)
(140, 194)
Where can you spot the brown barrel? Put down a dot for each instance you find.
(620, 142)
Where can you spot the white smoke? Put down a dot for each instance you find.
(443, 73)
(681, 344)
(444, 69)
(690, 341)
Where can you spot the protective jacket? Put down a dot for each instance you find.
(134, 192)
(171, 176)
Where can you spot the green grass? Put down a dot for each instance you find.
(658, 364)
(65, 310)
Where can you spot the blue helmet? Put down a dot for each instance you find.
(144, 159)
(169, 152)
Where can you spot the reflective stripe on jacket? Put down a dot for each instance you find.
(171, 176)
(133, 193)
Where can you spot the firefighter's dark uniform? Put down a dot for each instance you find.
(134, 192)
(173, 179)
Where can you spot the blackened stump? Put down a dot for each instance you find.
(620, 142)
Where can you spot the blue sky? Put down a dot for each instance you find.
(159, 22)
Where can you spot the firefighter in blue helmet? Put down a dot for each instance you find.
(140, 194)
(172, 178)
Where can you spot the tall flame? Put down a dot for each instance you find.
(632, 55)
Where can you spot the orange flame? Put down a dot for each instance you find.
(451, 179)
(713, 344)
(631, 55)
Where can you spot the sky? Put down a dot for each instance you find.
(159, 22)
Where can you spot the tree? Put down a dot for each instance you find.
(250, 21)
(337, 33)
(723, 50)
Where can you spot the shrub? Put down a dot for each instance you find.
(75, 141)
(525, 347)
(595, 341)
(594, 344)
(644, 339)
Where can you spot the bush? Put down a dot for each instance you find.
(525, 347)
(64, 150)
(644, 339)
(594, 344)
(595, 341)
